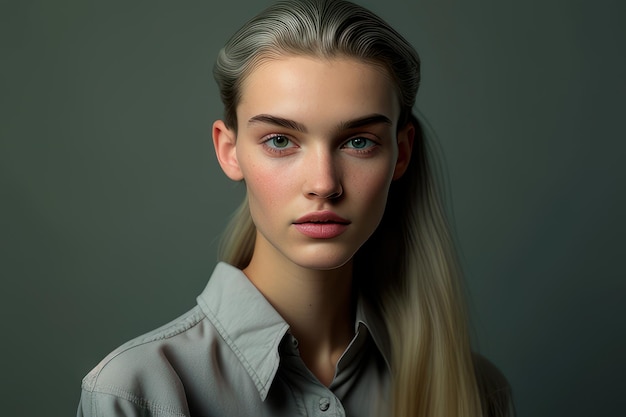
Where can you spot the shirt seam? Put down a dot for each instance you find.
(142, 403)
(196, 314)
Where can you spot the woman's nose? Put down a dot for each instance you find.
(322, 177)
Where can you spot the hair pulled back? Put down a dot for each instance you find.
(322, 29)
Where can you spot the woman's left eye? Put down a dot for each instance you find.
(359, 143)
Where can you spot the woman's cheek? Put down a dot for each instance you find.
(269, 184)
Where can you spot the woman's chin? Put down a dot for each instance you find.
(324, 261)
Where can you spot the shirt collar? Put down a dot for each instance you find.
(371, 319)
(255, 332)
(247, 322)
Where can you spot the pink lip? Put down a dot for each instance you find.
(321, 217)
(321, 225)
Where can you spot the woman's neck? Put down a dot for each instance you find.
(318, 305)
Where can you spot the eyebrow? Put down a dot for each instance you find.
(373, 119)
(277, 121)
(293, 125)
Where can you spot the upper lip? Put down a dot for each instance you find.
(321, 217)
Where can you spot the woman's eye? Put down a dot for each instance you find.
(278, 142)
(359, 143)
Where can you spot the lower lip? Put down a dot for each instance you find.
(321, 230)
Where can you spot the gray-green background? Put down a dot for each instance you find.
(111, 198)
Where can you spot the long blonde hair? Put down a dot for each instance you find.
(408, 268)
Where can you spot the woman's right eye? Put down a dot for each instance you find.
(278, 143)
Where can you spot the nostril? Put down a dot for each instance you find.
(328, 195)
(336, 194)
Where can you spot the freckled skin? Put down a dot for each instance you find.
(289, 172)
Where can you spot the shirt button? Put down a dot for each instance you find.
(324, 404)
(294, 342)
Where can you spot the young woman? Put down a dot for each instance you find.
(339, 292)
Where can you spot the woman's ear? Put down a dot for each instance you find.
(405, 146)
(225, 143)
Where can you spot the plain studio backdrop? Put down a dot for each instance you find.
(112, 200)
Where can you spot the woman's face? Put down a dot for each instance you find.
(317, 146)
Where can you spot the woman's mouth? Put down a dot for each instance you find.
(321, 225)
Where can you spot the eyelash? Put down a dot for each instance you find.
(268, 139)
(370, 146)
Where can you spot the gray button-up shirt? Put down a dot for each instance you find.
(233, 355)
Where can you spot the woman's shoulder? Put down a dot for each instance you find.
(166, 351)
(149, 348)
(225, 347)
(495, 390)
(142, 372)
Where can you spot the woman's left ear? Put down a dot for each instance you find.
(225, 143)
(405, 146)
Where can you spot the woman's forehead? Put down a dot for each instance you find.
(303, 87)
